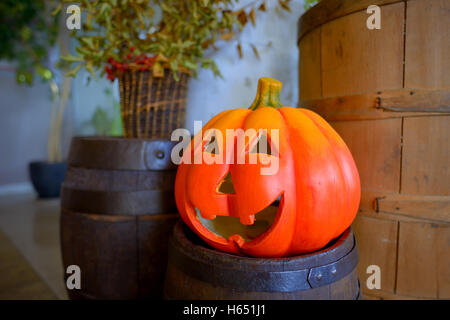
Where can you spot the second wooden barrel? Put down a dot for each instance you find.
(195, 271)
(117, 213)
(387, 93)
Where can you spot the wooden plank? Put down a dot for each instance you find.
(375, 146)
(116, 153)
(427, 44)
(152, 240)
(326, 11)
(383, 295)
(426, 156)
(422, 207)
(358, 60)
(410, 102)
(369, 212)
(369, 297)
(442, 246)
(368, 200)
(382, 105)
(420, 259)
(377, 245)
(353, 107)
(345, 288)
(105, 249)
(309, 67)
(401, 207)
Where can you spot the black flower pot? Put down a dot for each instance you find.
(47, 177)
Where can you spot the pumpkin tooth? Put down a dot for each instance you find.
(247, 220)
(237, 239)
(208, 216)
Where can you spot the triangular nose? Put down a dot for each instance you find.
(226, 185)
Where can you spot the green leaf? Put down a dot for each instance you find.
(71, 58)
(88, 41)
(26, 33)
(74, 72)
(44, 73)
(90, 69)
(190, 65)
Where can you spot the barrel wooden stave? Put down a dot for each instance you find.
(92, 243)
(153, 232)
(391, 105)
(121, 154)
(196, 272)
(118, 192)
(119, 180)
(116, 219)
(113, 264)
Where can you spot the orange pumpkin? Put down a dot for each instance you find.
(309, 201)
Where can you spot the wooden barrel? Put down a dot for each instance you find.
(118, 210)
(196, 271)
(387, 93)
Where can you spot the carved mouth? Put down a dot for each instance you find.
(226, 227)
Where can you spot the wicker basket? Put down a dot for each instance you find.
(152, 107)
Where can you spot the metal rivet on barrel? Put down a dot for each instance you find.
(159, 154)
(333, 271)
(319, 276)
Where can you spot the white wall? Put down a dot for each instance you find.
(209, 96)
(87, 97)
(24, 125)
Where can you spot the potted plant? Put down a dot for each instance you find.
(27, 33)
(153, 48)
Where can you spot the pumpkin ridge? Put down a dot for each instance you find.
(288, 138)
(336, 158)
(293, 116)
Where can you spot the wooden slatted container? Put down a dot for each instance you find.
(117, 212)
(196, 271)
(387, 92)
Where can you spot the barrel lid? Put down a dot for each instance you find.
(114, 153)
(328, 10)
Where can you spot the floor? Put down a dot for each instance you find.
(30, 256)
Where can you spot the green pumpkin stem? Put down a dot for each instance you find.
(268, 94)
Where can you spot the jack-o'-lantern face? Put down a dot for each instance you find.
(268, 181)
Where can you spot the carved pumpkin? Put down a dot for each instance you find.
(309, 201)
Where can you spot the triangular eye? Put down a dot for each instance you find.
(262, 145)
(226, 185)
(211, 146)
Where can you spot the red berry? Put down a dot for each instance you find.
(132, 49)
